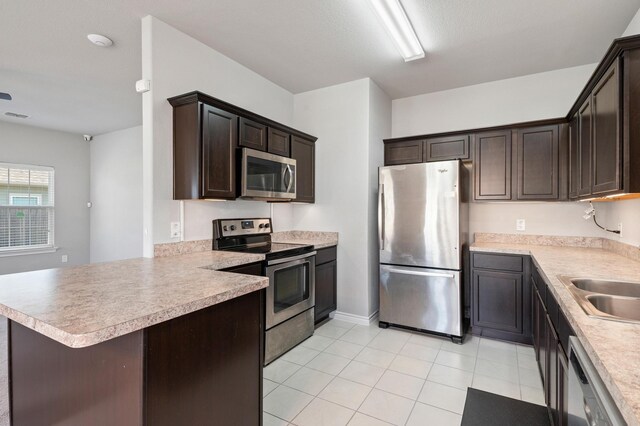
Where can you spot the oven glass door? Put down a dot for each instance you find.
(291, 289)
(267, 175)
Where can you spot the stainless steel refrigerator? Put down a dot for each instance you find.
(423, 237)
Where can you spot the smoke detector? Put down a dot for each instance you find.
(100, 40)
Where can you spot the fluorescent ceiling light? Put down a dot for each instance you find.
(399, 27)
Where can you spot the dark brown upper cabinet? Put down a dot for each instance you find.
(278, 142)
(606, 147)
(446, 148)
(574, 158)
(585, 132)
(492, 165)
(252, 135)
(304, 152)
(407, 152)
(206, 135)
(537, 163)
(204, 160)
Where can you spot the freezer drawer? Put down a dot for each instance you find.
(428, 299)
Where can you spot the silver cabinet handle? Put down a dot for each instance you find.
(420, 273)
(381, 215)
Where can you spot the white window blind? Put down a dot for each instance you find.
(26, 207)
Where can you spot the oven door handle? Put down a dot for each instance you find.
(291, 259)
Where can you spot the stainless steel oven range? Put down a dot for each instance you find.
(290, 297)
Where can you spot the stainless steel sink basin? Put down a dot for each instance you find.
(622, 307)
(606, 299)
(616, 288)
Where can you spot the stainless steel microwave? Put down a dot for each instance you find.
(267, 176)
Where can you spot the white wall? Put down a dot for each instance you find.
(176, 63)
(69, 155)
(531, 97)
(528, 98)
(634, 25)
(116, 195)
(379, 129)
(339, 117)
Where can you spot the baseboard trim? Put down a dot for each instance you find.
(356, 319)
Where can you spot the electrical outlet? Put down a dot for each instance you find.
(175, 229)
(65, 258)
(520, 225)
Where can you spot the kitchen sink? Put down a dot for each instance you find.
(616, 288)
(606, 299)
(622, 307)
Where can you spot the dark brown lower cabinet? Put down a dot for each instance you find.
(326, 283)
(551, 376)
(551, 333)
(501, 306)
(201, 368)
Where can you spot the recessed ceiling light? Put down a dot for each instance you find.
(399, 27)
(5, 96)
(15, 115)
(100, 40)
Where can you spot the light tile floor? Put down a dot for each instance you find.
(348, 374)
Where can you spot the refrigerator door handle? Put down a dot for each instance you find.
(424, 274)
(381, 215)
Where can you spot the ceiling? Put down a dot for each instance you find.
(63, 82)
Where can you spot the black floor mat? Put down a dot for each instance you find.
(488, 409)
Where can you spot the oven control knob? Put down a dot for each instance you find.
(224, 228)
(232, 227)
(266, 225)
(262, 225)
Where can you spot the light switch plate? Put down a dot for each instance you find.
(520, 225)
(65, 258)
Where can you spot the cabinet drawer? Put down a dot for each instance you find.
(539, 283)
(326, 255)
(564, 331)
(552, 308)
(498, 262)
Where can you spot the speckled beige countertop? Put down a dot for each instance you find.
(85, 305)
(614, 347)
(318, 239)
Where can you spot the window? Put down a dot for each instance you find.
(26, 207)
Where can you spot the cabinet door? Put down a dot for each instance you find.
(497, 300)
(219, 141)
(326, 275)
(574, 158)
(492, 166)
(551, 382)
(446, 148)
(278, 142)
(408, 152)
(563, 389)
(541, 323)
(606, 134)
(253, 135)
(304, 152)
(538, 163)
(585, 132)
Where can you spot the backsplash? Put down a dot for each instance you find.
(622, 249)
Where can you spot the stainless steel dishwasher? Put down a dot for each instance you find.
(590, 404)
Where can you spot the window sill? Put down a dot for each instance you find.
(27, 251)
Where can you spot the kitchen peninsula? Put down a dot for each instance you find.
(144, 341)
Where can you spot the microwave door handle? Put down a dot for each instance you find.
(290, 173)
